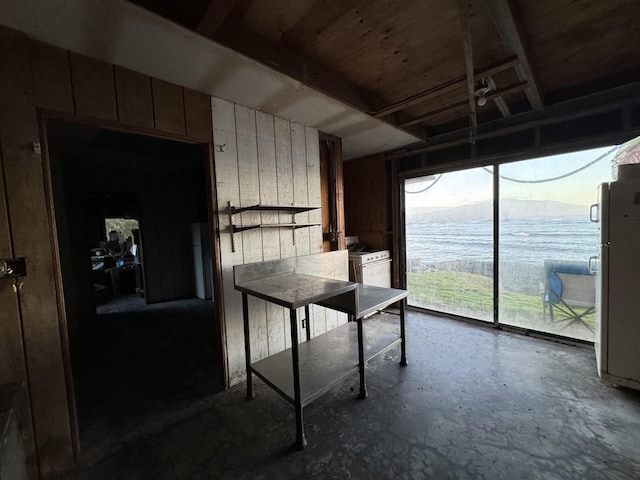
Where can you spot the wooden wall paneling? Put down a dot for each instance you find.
(284, 171)
(12, 359)
(197, 112)
(38, 301)
(366, 198)
(94, 89)
(51, 77)
(228, 190)
(300, 196)
(249, 182)
(270, 236)
(14, 70)
(300, 187)
(312, 148)
(168, 107)
(16, 87)
(28, 214)
(165, 217)
(313, 183)
(149, 238)
(135, 101)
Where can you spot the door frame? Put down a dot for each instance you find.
(45, 115)
(336, 188)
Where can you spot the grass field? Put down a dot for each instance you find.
(470, 294)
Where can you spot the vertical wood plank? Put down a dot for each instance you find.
(38, 302)
(284, 170)
(197, 111)
(251, 239)
(300, 188)
(168, 107)
(51, 77)
(313, 183)
(94, 90)
(27, 210)
(135, 102)
(15, 72)
(315, 216)
(228, 190)
(270, 236)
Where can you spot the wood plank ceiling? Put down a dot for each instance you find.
(423, 65)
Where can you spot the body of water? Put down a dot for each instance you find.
(525, 240)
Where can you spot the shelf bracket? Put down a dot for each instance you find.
(231, 227)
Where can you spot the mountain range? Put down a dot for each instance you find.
(509, 208)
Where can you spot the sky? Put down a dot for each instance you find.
(475, 185)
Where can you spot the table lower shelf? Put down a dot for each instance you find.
(324, 360)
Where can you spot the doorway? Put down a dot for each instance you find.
(144, 340)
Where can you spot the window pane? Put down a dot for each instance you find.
(449, 238)
(546, 239)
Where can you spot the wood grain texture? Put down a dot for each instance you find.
(168, 107)
(284, 169)
(313, 188)
(135, 102)
(265, 134)
(15, 72)
(197, 112)
(38, 302)
(300, 187)
(249, 182)
(51, 77)
(367, 195)
(228, 190)
(93, 88)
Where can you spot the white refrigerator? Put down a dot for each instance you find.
(617, 339)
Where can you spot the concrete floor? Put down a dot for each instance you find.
(473, 403)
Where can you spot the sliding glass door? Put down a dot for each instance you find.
(546, 239)
(449, 235)
(543, 239)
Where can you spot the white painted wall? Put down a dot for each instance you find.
(262, 159)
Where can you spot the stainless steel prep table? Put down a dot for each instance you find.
(327, 358)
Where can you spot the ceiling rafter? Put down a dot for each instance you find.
(465, 23)
(509, 27)
(294, 65)
(214, 16)
(449, 86)
(499, 100)
(492, 95)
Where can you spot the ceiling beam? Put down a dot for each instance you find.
(214, 16)
(511, 32)
(449, 86)
(492, 95)
(292, 64)
(589, 105)
(499, 100)
(463, 7)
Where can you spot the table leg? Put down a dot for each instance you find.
(403, 344)
(247, 346)
(363, 386)
(301, 442)
(307, 321)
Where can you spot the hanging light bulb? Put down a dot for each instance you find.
(481, 92)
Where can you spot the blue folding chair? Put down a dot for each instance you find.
(569, 291)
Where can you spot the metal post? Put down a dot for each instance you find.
(301, 441)
(247, 346)
(363, 386)
(308, 322)
(403, 343)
